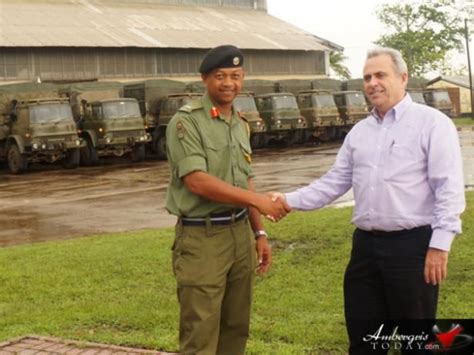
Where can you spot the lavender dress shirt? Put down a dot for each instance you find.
(406, 172)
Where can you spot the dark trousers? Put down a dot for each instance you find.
(384, 286)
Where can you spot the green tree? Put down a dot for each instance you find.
(336, 60)
(424, 32)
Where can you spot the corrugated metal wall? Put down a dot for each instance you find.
(92, 63)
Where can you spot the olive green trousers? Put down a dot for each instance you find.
(214, 268)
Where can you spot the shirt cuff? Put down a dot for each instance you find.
(442, 239)
(293, 199)
(191, 163)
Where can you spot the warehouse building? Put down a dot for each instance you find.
(66, 40)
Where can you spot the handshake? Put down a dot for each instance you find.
(272, 205)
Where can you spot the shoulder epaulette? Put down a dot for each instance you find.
(191, 106)
(245, 123)
(242, 116)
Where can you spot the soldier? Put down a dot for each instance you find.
(211, 192)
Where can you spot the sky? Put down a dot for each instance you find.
(349, 23)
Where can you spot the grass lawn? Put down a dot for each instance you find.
(464, 121)
(119, 289)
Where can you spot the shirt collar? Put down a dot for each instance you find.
(208, 105)
(396, 111)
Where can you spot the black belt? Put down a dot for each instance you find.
(222, 218)
(378, 233)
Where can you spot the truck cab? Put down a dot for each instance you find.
(245, 105)
(351, 105)
(39, 130)
(112, 127)
(283, 119)
(321, 113)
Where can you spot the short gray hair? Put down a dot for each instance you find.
(398, 62)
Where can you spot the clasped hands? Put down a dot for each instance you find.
(273, 206)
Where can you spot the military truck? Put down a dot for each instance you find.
(417, 96)
(109, 124)
(327, 84)
(351, 105)
(36, 126)
(282, 117)
(168, 107)
(244, 103)
(293, 85)
(150, 94)
(439, 99)
(261, 87)
(321, 114)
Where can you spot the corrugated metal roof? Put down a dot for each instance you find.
(459, 80)
(99, 23)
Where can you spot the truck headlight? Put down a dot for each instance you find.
(108, 139)
(35, 146)
(43, 146)
(78, 142)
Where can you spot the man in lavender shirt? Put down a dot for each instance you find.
(404, 164)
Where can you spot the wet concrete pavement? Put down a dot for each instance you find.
(51, 203)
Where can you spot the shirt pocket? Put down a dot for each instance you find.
(218, 157)
(402, 161)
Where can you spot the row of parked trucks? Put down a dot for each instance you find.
(79, 123)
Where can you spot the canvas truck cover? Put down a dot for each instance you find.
(259, 87)
(152, 92)
(25, 92)
(327, 84)
(197, 87)
(353, 84)
(293, 85)
(95, 91)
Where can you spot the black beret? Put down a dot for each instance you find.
(221, 57)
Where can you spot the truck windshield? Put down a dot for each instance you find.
(417, 97)
(323, 100)
(441, 96)
(120, 109)
(50, 113)
(245, 104)
(356, 99)
(285, 102)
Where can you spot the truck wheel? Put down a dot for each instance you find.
(300, 137)
(88, 154)
(17, 162)
(256, 141)
(71, 161)
(138, 153)
(161, 147)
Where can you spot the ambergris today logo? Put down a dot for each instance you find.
(453, 337)
(453, 340)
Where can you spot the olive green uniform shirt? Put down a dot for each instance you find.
(196, 141)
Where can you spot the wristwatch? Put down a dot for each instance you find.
(260, 233)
